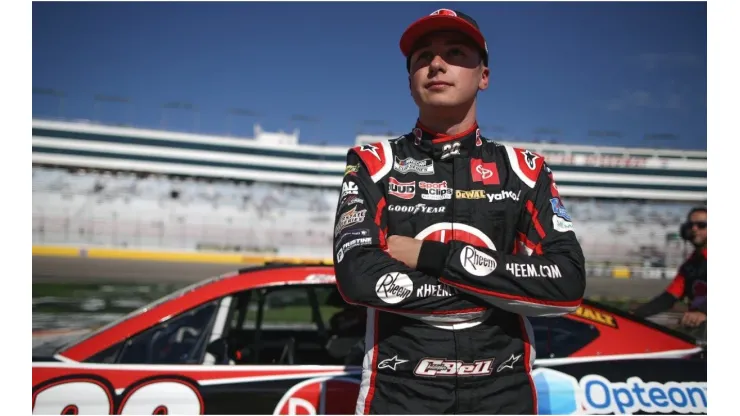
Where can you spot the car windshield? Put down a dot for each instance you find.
(147, 307)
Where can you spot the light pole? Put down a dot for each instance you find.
(551, 133)
(51, 92)
(102, 98)
(180, 105)
(303, 118)
(661, 138)
(238, 112)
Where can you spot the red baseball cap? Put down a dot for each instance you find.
(443, 19)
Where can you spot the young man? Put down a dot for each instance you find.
(450, 240)
(691, 280)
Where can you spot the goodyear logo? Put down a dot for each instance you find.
(596, 316)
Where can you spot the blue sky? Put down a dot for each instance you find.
(567, 68)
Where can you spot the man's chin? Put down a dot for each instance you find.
(698, 243)
(440, 102)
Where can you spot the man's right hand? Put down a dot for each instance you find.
(693, 319)
(404, 249)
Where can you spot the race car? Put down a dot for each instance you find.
(278, 339)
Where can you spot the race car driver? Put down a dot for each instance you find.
(691, 280)
(450, 240)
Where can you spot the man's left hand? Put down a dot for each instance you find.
(693, 319)
(404, 249)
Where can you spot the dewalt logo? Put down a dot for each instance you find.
(474, 194)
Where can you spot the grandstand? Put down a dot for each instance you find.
(129, 187)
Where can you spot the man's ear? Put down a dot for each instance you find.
(484, 78)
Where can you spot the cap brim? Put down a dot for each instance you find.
(436, 23)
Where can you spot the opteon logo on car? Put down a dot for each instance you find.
(434, 367)
(403, 190)
(435, 191)
(477, 262)
(561, 393)
(394, 287)
(422, 167)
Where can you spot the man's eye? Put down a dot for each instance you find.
(456, 52)
(424, 56)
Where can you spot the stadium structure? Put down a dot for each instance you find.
(97, 185)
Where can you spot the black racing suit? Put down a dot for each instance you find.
(451, 336)
(689, 283)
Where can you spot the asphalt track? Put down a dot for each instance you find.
(85, 270)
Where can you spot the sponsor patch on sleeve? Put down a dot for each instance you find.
(477, 262)
(561, 224)
(559, 209)
(377, 158)
(526, 164)
(394, 287)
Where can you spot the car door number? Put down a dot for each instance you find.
(89, 396)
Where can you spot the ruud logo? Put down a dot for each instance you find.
(403, 190)
(476, 262)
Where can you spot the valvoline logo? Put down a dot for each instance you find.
(561, 393)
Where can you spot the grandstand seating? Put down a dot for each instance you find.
(152, 211)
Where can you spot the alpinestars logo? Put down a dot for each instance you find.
(391, 363)
(372, 149)
(509, 363)
(530, 158)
